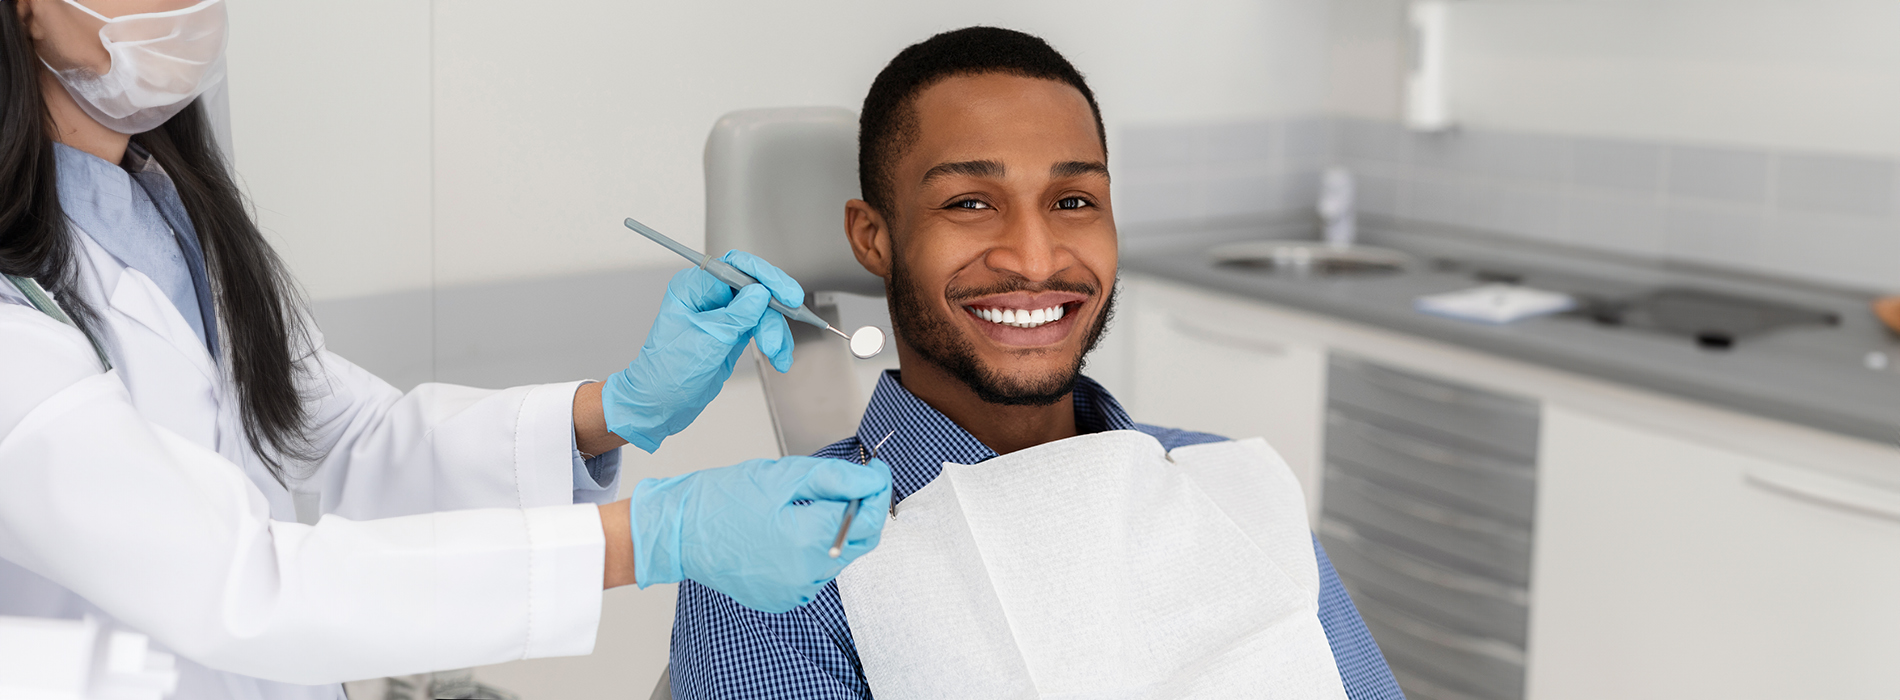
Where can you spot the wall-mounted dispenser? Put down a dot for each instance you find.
(1427, 106)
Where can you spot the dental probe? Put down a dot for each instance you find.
(867, 342)
(851, 511)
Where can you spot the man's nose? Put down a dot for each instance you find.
(1029, 248)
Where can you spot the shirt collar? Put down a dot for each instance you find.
(98, 196)
(922, 439)
(133, 211)
(139, 160)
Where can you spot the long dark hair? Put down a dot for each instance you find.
(259, 310)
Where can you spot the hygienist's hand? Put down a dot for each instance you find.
(742, 531)
(702, 328)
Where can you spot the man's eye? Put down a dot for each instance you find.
(971, 204)
(1073, 203)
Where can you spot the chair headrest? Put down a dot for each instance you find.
(776, 185)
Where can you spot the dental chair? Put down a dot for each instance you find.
(776, 184)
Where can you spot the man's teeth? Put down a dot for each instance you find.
(1020, 318)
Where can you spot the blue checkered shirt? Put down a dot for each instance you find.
(724, 651)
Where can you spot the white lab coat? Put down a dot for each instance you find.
(449, 536)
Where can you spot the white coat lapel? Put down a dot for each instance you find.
(141, 300)
(134, 296)
(171, 377)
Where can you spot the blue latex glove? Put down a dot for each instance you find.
(748, 531)
(702, 328)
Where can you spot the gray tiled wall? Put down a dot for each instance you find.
(1823, 217)
(1213, 172)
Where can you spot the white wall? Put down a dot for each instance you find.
(330, 115)
(478, 141)
(1812, 75)
(1744, 134)
(394, 144)
(1366, 49)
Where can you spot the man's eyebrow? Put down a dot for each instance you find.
(1077, 167)
(988, 169)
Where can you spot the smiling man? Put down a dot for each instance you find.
(987, 211)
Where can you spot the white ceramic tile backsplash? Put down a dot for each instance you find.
(1718, 174)
(1714, 233)
(1307, 141)
(1224, 171)
(1828, 218)
(1621, 222)
(1616, 165)
(1861, 187)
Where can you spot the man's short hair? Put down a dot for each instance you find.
(888, 124)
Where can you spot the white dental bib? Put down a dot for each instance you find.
(1097, 567)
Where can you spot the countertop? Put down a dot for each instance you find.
(1814, 376)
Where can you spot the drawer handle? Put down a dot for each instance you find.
(1478, 646)
(1431, 392)
(1406, 566)
(1393, 381)
(1223, 337)
(1385, 440)
(1839, 493)
(1396, 501)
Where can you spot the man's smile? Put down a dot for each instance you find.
(1021, 319)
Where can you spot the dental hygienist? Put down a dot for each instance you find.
(162, 396)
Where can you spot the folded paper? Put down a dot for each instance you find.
(1101, 566)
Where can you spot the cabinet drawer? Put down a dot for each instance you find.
(1417, 687)
(1505, 424)
(1456, 539)
(1448, 598)
(1443, 473)
(1461, 663)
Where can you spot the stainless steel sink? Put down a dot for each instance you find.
(1303, 258)
(1716, 321)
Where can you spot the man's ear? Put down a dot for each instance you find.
(870, 237)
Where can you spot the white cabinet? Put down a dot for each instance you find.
(1215, 364)
(1668, 568)
(1679, 549)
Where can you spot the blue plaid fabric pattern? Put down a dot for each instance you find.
(724, 651)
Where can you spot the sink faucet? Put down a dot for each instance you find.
(1335, 207)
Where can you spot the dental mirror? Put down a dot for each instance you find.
(867, 342)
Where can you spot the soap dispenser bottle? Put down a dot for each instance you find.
(1336, 208)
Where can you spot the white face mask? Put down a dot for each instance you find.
(161, 61)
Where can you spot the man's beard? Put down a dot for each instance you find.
(938, 340)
